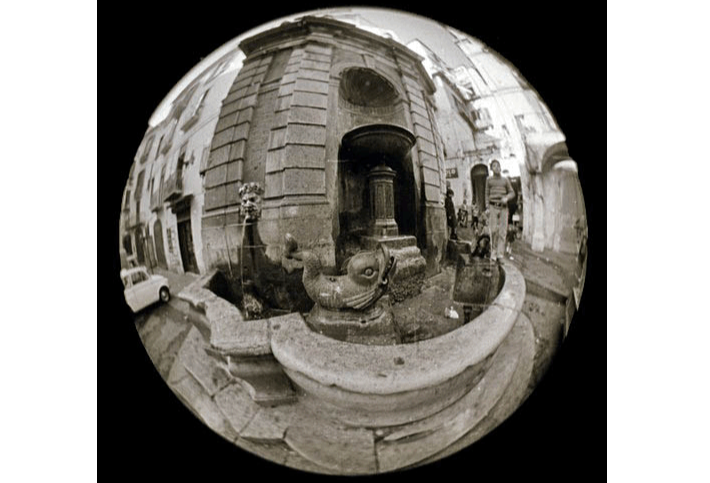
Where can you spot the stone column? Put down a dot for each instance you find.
(381, 184)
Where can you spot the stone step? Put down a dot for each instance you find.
(423, 441)
(513, 396)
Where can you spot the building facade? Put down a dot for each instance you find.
(162, 208)
(305, 88)
(529, 144)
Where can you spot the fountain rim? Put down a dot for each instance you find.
(358, 139)
(372, 369)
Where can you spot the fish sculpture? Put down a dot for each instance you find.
(365, 280)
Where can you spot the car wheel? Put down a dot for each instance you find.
(164, 294)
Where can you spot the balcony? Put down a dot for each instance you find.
(172, 187)
(156, 201)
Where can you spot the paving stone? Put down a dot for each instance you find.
(277, 452)
(414, 442)
(177, 372)
(200, 403)
(270, 423)
(294, 460)
(514, 395)
(345, 450)
(201, 365)
(236, 406)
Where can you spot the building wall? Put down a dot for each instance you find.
(289, 88)
(188, 128)
(514, 113)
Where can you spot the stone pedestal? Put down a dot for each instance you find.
(404, 248)
(373, 326)
(381, 184)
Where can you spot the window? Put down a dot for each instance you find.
(194, 114)
(146, 150)
(139, 186)
(277, 66)
(138, 277)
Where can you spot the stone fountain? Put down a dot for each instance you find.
(381, 145)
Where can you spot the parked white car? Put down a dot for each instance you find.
(142, 289)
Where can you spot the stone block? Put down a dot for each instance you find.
(273, 185)
(241, 337)
(243, 81)
(245, 115)
(222, 138)
(427, 147)
(315, 65)
(423, 132)
(226, 122)
(306, 134)
(288, 78)
(283, 103)
(235, 96)
(230, 108)
(216, 176)
(286, 89)
(346, 450)
(273, 160)
(218, 156)
(215, 197)
(314, 48)
(422, 120)
(313, 74)
(236, 406)
(303, 181)
(248, 101)
(296, 155)
(277, 138)
(280, 119)
(210, 234)
(234, 171)
(204, 407)
(308, 85)
(269, 424)
(430, 176)
(309, 99)
(232, 194)
(308, 115)
(241, 131)
(237, 150)
(429, 162)
(417, 109)
(200, 365)
(432, 193)
(252, 89)
(416, 98)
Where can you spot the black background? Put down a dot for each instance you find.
(558, 434)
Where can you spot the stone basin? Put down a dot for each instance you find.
(377, 386)
(376, 140)
(357, 384)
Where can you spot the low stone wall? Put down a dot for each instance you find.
(389, 385)
(317, 404)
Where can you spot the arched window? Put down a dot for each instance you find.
(366, 88)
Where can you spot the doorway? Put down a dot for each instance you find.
(187, 248)
(479, 174)
(159, 246)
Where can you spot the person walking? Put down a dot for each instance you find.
(498, 192)
(451, 219)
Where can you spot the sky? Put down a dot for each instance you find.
(406, 26)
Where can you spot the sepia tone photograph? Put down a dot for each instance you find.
(351, 241)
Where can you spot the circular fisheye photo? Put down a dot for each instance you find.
(353, 241)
